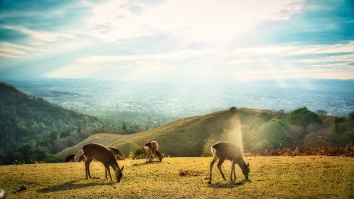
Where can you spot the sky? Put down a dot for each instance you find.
(177, 40)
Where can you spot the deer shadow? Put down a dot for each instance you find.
(232, 184)
(72, 185)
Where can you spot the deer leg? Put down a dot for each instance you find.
(232, 171)
(147, 156)
(87, 168)
(211, 168)
(105, 172)
(109, 172)
(151, 156)
(219, 167)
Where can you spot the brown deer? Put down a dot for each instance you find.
(119, 155)
(227, 151)
(152, 149)
(102, 154)
(139, 152)
(70, 158)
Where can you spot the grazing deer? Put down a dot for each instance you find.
(70, 158)
(119, 155)
(139, 152)
(102, 154)
(228, 151)
(152, 149)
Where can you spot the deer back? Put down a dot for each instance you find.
(100, 153)
(118, 153)
(227, 150)
(154, 146)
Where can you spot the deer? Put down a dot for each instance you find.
(152, 149)
(105, 156)
(70, 158)
(228, 151)
(139, 152)
(119, 155)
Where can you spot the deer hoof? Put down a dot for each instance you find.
(209, 182)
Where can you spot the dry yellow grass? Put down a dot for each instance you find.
(270, 177)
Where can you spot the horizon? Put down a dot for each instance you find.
(335, 97)
(177, 41)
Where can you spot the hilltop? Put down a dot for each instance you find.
(258, 130)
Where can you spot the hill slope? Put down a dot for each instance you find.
(184, 137)
(30, 121)
(254, 130)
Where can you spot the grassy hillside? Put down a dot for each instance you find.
(254, 130)
(270, 177)
(184, 137)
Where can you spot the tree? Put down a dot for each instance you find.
(233, 110)
(351, 115)
(321, 112)
(41, 155)
(276, 132)
(124, 127)
(53, 136)
(304, 117)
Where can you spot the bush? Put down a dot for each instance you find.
(304, 117)
(276, 132)
(233, 110)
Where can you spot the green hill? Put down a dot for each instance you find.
(259, 131)
(28, 125)
(184, 137)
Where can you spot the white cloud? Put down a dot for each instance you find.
(240, 64)
(291, 74)
(207, 20)
(14, 51)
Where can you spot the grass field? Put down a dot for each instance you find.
(270, 177)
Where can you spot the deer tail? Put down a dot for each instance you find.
(213, 150)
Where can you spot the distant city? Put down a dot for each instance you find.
(336, 97)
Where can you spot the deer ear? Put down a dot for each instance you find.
(248, 165)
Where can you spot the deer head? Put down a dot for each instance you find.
(246, 170)
(119, 173)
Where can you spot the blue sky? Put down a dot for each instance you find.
(177, 40)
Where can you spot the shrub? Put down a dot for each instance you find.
(233, 110)
(304, 117)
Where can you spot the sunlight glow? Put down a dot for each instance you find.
(196, 20)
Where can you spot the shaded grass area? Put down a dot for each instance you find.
(270, 177)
